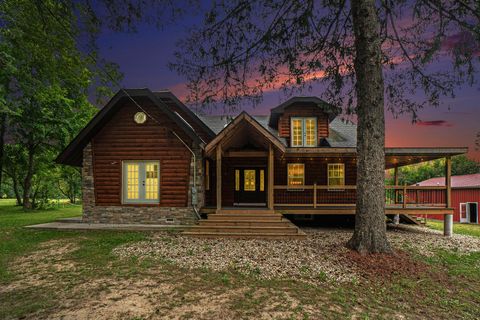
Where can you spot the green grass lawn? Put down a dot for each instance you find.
(459, 228)
(43, 272)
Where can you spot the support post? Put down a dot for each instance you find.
(448, 225)
(219, 177)
(315, 195)
(271, 169)
(448, 218)
(396, 218)
(448, 181)
(404, 204)
(395, 183)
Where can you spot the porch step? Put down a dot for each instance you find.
(245, 223)
(242, 229)
(245, 211)
(240, 216)
(271, 236)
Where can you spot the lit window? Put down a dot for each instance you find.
(249, 180)
(336, 175)
(304, 132)
(296, 174)
(141, 181)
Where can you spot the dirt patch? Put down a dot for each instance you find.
(380, 266)
(40, 267)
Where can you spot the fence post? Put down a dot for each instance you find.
(404, 195)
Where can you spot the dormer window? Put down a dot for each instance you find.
(303, 132)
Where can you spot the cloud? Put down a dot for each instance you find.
(463, 41)
(435, 123)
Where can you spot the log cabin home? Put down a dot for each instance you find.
(146, 158)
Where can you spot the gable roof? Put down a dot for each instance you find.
(463, 181)
(73, 153)
(329, 109)
(230, 126)
(169, 98)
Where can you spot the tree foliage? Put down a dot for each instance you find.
(412, 174)
(244, 48)
(44, 93)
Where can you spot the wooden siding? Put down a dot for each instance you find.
(461, 195)
(122, 139)
(303, 111)
(315, 172)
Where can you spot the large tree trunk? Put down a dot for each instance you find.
(27, 182)
(370, 228)
(3, 126)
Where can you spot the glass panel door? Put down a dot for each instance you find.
(141, 181)
(133, 181)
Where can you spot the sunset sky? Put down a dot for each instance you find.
(143, 58)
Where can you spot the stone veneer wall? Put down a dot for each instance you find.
(141, 214)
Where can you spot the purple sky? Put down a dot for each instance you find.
(143, 58)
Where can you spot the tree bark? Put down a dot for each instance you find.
(3, 126)
(27, 182)
(370, 227)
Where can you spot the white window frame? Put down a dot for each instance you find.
(467, 212)
(336, 187)
(304, 132)
(293, 187)
(141, 182)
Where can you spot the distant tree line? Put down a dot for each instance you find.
(45, 82)
(412, 174)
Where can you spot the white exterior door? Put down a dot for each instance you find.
(464, 213)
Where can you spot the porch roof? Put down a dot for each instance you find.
(397, 157)
(236, 132)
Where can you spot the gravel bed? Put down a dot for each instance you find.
(320, 257)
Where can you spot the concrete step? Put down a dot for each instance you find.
(238, 217)
(244, 223)
(244, 229)
(271, 236)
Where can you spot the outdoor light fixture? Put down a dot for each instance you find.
(140, 117)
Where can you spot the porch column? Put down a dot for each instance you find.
(448, 218)
(396, 218)
(270, 176)
(219, 176)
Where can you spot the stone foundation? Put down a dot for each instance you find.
(136, 214)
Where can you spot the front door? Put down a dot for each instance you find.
(250, 186)
(472, 212)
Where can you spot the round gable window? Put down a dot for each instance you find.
(140, 117)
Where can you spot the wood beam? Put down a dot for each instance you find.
(271, 169)
(219, 176)
(448, 181)
(246, 153)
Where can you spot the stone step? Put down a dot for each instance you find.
(243, 229)
(243, 223)
(237, 217)
(271, 236)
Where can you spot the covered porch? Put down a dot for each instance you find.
(247, 168)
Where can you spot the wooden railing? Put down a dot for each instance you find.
(415, 196)
(322, 195)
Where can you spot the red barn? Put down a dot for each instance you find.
(465, 196)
